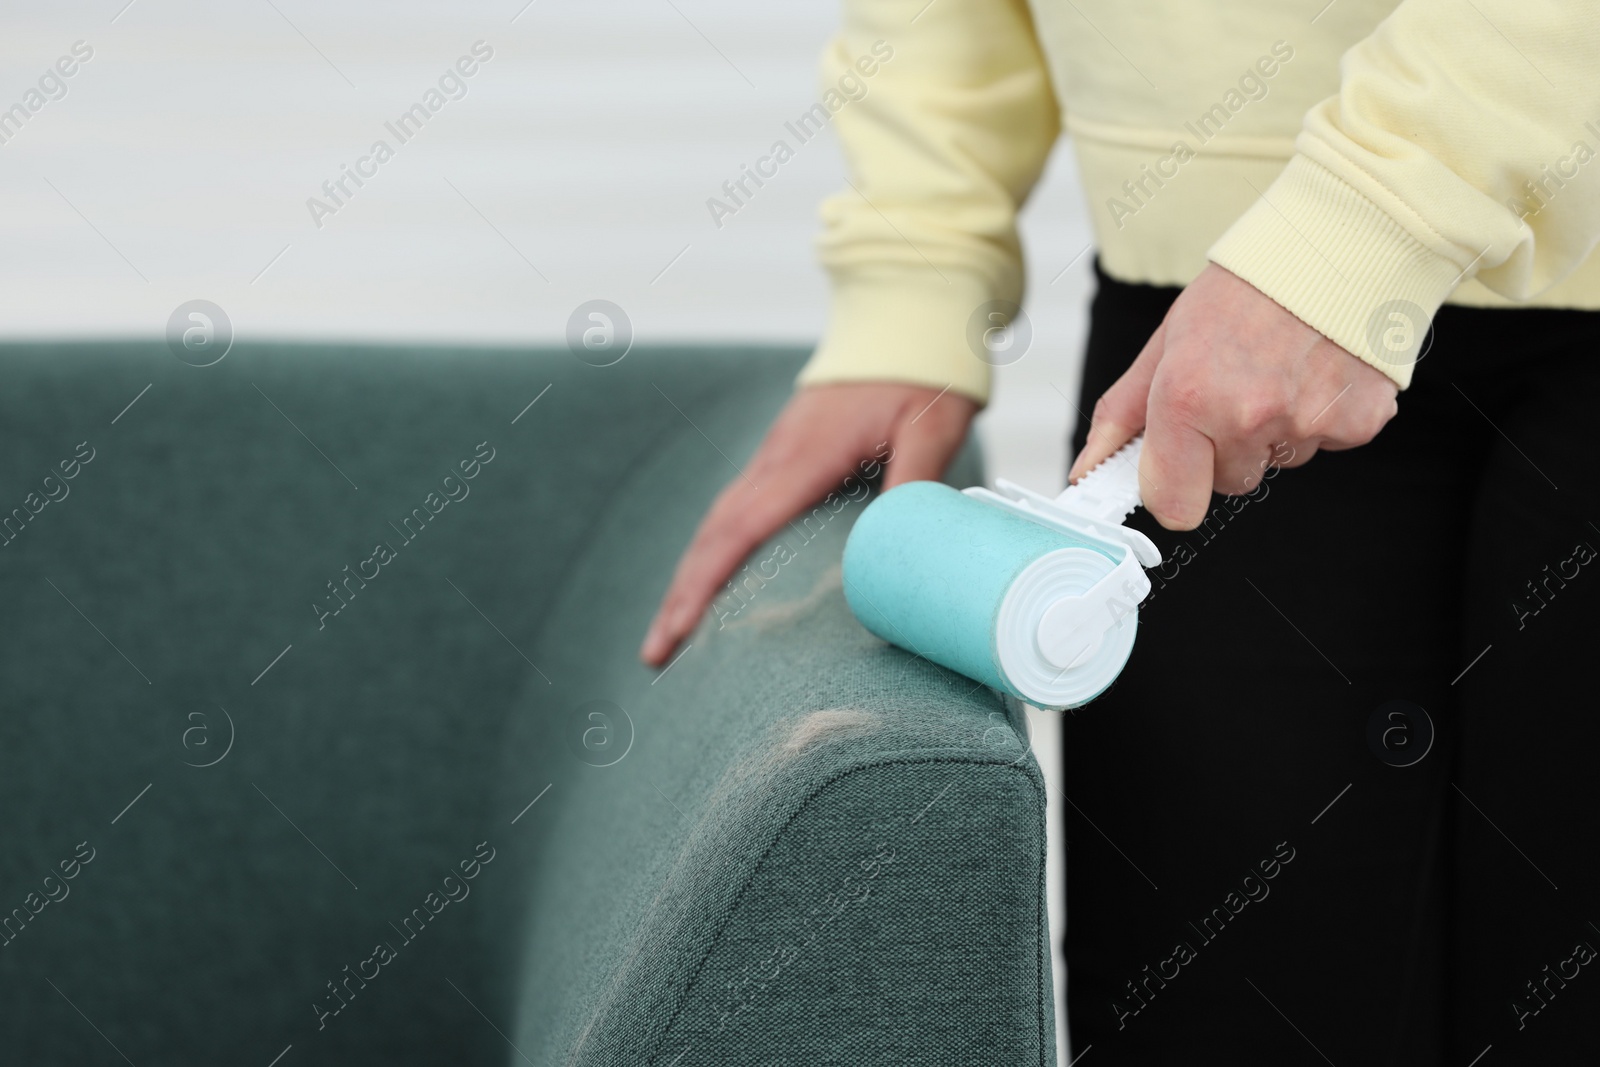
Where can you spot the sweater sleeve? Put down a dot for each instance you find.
(943, 142)
(1459, 145)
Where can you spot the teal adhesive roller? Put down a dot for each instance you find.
(1033, 595)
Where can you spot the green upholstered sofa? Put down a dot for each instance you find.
(324, 740)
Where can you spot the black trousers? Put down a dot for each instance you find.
(1343, 805)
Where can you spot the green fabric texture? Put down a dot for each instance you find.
(813, 849)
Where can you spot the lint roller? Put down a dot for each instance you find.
(1033, 595)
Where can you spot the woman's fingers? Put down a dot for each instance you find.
(925, 442)
(741, 518)
(1175, 471)
(824, 436)
(1119, 415)
(1232, 385)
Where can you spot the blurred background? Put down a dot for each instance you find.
(177, 161)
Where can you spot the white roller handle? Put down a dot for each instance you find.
(1110, 490)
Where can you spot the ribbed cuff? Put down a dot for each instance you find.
(1341, 265)
(895, 326)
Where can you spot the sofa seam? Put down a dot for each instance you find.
(1031, 777)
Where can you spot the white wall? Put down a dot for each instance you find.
(179, 162)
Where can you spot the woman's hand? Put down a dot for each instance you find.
(1226, 380)
(815, 443)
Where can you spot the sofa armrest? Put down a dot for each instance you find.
(896, 918)
(796, 845)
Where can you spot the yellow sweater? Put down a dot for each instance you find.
(1371, 156)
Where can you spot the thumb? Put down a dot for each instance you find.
(1119, 414)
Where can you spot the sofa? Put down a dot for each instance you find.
(325, 740)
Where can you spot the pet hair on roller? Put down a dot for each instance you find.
(1032, 595)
